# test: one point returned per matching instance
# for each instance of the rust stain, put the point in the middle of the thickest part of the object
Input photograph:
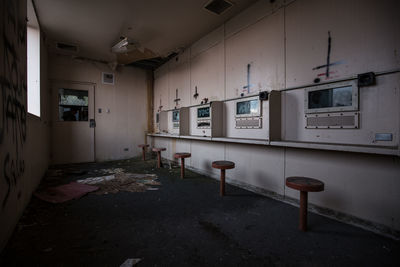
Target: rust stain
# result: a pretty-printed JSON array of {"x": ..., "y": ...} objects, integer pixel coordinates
[
  {"x": 150, "y": 101},
  {"x": 173, "y": 143}
]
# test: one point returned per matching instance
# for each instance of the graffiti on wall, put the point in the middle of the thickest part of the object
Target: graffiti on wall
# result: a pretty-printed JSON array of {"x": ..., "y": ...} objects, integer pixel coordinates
[{"x": 13, "y": 97}]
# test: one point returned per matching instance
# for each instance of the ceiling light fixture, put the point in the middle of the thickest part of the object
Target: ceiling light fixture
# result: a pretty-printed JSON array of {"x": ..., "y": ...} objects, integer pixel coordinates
[
  {"x": 121, "y": 46},
  {"x": 126, "y": 45}
]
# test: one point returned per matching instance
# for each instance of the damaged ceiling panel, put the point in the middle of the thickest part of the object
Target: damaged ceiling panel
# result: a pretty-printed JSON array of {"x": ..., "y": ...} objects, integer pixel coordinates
[
  {"x": 135, "y": 55},
  {"x": 158, "y": 28},
  {"x": 152, "y": 63}
]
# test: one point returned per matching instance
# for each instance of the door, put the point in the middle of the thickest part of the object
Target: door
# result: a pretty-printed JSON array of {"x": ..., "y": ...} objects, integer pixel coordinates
[{"x": 72, "y": 123}]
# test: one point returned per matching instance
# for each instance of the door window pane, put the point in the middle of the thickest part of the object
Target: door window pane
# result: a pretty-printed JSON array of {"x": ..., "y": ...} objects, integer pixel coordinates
[{"x": 73, "y": 105}]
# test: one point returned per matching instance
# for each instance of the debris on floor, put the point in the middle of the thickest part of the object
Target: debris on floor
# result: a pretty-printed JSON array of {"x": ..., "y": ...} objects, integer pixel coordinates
[
  {"x": 184, "y": 223},
  {"x": 122, "y": 181},
  {"x": 110, "y": 171},
  {"x": 96, "y": 180},
  {"x": 130, "y": 262},
  {"x": 63, "y": 193}
]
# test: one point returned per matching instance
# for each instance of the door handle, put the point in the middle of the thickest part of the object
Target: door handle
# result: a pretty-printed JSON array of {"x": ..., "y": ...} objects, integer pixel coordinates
[{"x": 92, "y": 123}]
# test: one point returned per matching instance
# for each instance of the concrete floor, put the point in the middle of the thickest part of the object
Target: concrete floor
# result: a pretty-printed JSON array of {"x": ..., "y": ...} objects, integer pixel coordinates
[{"x": 185, "y": 223}]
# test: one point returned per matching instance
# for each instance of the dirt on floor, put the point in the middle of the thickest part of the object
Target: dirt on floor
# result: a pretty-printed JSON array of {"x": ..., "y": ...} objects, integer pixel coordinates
[
  {"x": 151, "y": 217},
  {"x": 122, "y": 181}
]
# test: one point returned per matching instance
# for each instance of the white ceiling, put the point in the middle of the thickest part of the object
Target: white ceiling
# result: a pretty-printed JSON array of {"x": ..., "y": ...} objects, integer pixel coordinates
[{"x": 162, "y": 26}]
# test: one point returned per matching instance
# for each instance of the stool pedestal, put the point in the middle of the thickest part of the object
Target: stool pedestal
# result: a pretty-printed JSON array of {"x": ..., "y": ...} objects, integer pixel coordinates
[
  {"x": 158, "y": 150},
  {"x": 304, "y": 185},
  {"x": 222, "y": 183},
  {"x": 223, "y": 165},
  {"x": 143, "y": 146},
  {"x": 182, "y": 156},
  {"x": 303, "y": 210}
]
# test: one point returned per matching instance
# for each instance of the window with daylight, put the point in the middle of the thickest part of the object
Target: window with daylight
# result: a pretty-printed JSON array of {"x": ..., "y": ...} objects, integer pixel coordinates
[{"x": 33, "y": 65}]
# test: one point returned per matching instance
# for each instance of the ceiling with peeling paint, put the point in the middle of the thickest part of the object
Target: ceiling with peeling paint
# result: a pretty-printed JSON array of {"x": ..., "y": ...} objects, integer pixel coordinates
[{"x": 161, "y": 27}]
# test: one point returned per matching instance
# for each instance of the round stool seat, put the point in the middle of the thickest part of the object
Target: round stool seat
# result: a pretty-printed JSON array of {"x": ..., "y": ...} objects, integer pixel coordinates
[
  {"x": 143, "y": 145},
  {"x": 223, "y": 164},
  {"x": 182, "y": 155},
  {"x": 159, "y": 149},
  {"x": 305, "y": 184}
]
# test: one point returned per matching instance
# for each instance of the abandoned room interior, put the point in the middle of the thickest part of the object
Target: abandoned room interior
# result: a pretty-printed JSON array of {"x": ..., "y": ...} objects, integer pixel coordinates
[{"x": 200, "y": 133}]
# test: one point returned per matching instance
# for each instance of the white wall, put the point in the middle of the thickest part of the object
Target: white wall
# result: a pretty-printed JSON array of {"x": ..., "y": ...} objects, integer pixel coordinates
[
  {"x": 363, "y": 38},
  {"x": 24, "y": 138},
  {"x": 283, "y": 43},
  {"x": 125, "y": 125}
]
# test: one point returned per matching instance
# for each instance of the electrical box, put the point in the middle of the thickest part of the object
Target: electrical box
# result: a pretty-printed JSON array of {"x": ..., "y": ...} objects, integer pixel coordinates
[
  {"x": 178, "y": 121},
  {"x": 332, "y": 106},
  {"x": 207, "y": 120},
  {"x": 343, "y": 113},
  {"x": 252, "y": 117},
  {"x": 163, "y": 121},
  {"x": 175, "y": 119},
  {"x": 248, "y": 113}
]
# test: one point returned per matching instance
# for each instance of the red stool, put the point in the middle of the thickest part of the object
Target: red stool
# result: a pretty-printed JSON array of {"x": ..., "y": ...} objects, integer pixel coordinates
[
  {"x": 223, "y": 165},
  {"x": 304, "y": 185},
  {"x": 158, "y": 150},
  {"x": 182, "y": 156},
  {"x": 143, "y": 146}
]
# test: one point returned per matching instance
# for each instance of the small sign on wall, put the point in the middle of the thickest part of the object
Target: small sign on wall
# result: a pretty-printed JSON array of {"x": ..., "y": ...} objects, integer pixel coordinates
[{"x": 107, "y": 78}]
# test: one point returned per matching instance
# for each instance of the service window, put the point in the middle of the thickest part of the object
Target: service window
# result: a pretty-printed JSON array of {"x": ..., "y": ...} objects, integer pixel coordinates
[{"x": 73, "y": 105}]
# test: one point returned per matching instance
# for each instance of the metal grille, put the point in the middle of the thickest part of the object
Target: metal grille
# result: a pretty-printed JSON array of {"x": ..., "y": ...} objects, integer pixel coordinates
[
  {"x": 204, "y": 124},
  {"x": 248, "y": 123},
  {"x": 332, "y": 121},
  {"x": 218, "y": 6},
  {"x": 108, "y": 78}
]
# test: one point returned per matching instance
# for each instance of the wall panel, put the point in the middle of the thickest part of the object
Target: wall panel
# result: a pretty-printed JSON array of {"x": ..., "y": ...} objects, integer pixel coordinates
[
  {"x": 204, "y": 153},
  {"x": 258, "y": 166},
  {"x": 262, "y": 46},
  {"x": 179, "y": 79},
  {"x": 208, "y": 41},
  {"x": 161, "y": 89},
  {"x": 362, "y": 34},
  {"x": 207, "y": 74}
]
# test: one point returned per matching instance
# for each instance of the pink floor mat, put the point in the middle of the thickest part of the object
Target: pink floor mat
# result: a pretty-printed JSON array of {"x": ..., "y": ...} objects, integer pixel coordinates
[{"x": 64, "y": 193}]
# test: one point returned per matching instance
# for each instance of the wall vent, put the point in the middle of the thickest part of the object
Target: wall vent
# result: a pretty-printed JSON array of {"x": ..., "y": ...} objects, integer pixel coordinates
[
  {"x": 349, "y": 120},
  {"x": 218, "y": 6},
  {"x": 248, "y": 123},
  {"x": 66, "y": 48},
  {"x": 107, "y": 78}
]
